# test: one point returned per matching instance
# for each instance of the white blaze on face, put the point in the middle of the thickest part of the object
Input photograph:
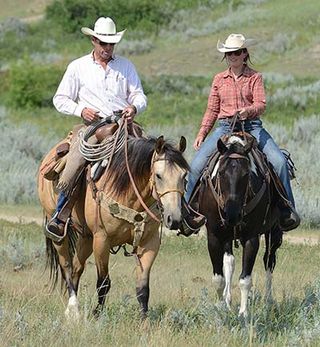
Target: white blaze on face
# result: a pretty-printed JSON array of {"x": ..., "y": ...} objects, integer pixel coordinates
[{"x": 236, "y": 139}]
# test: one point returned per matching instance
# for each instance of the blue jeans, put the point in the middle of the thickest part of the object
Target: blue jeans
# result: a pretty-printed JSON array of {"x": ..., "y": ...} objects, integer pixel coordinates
[
  {"x": 265, "y": 143},
  {"x": 62, "y": 199}
]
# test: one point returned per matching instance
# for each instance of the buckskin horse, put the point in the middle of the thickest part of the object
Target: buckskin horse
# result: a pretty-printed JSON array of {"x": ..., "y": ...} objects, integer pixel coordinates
[
  {"x": 239, "y": 201},
  {"x": 111, "y": 215}
]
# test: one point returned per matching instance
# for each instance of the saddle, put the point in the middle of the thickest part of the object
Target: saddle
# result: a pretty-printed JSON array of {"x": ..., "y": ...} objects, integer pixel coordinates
[
  {"x": 52, "y": 169},
  {"x": 263, "y": 166}
]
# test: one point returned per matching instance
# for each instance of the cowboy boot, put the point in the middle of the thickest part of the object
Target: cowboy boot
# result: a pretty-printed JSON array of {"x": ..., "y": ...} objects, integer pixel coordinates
[
  {"x": 192, "y": 220},
  {"x": 56, "y": 226},
  {"x": 289, "y": 218}
]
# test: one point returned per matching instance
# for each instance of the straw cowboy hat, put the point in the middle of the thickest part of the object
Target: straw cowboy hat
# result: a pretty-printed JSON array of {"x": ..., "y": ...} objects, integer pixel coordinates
[
  {"x": 234, "y": 42},
  {"x": 105, "y": 30}
]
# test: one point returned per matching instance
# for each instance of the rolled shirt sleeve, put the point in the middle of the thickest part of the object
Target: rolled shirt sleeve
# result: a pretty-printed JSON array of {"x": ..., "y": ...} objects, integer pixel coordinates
[{"x": 66, "y": 97}]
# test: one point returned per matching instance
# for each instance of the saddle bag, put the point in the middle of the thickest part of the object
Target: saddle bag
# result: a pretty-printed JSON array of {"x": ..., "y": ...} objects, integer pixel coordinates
[{"x": 52, "y": 169}]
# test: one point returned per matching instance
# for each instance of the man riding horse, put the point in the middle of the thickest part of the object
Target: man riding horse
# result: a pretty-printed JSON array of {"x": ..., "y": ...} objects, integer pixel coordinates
[{"x": 94, "y": 87}]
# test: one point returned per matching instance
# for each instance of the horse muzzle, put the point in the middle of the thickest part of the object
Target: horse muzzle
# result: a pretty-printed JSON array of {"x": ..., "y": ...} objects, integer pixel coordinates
[{"x": 233, "y": 213}]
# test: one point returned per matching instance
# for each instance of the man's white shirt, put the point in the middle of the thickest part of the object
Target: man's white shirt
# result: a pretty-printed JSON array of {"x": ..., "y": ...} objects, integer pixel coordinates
[{"x": 87, "y": 84}]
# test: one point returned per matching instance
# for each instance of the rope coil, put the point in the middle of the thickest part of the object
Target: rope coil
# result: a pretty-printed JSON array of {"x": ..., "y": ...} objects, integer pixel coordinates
[{"x": 103, "y": 150}]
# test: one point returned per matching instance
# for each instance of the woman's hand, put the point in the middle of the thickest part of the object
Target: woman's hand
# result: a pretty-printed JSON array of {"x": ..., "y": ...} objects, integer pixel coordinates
[
  {"x": 198, "y": 141},
  {"x": 243, "y": 114}
]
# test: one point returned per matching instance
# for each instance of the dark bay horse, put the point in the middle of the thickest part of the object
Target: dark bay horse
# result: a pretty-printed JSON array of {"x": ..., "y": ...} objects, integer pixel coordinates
[
  {"x": 112, "y": 215},
  {"x": 240, "y": 203}
]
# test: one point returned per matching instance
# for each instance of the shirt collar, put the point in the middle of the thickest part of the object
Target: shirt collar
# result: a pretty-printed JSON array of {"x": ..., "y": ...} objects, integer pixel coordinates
[
  {"x": 246, "y": 72},
  {"x": 114, "y": 57}
]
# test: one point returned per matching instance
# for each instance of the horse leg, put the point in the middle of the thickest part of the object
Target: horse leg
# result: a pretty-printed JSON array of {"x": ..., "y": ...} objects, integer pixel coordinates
[
  {"x": 273, "y": 241},
  {"x": 65, "y": 261},
  {"x": 83, "y": 251},
  {"x": 147, "y": 254},
  {"x": 228, "y": 270},
  {"x": 101, "y": 250},
  {"x": 215, "y": 248},
  {"x": 250, "y": 250}
]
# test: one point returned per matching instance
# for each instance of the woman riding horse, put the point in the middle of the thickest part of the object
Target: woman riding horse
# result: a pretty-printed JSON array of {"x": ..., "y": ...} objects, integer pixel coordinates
[{"x": 239, "y": 89}]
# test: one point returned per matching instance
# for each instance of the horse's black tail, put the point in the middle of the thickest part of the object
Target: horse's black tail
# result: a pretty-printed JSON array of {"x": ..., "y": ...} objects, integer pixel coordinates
[{"x": 52, "y": 257}]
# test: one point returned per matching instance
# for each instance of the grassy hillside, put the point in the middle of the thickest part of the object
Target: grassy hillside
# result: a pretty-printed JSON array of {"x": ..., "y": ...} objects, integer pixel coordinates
[
  {"x": 26, "y": 9},
  {"x": 286, "y": 31}
]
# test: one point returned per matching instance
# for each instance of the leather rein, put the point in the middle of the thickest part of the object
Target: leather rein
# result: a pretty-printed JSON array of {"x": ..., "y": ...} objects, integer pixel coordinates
[{"x": 151, "y": 180}]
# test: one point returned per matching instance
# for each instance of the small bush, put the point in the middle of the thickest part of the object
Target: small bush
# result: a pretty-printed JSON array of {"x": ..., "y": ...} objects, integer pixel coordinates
[{"x": 31, "y": 84}]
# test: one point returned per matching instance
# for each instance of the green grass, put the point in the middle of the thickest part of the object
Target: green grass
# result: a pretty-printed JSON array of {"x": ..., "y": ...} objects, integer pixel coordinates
[{"x": 183, "y": 310}]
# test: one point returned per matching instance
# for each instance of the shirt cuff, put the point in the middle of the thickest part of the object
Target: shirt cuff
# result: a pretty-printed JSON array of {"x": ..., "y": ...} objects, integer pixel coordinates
[{"x": 78, "y": 110}]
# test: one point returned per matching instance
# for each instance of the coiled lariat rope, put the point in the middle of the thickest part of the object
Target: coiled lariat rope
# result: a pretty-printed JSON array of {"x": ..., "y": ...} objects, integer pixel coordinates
[{"x": 104, "y": 149}]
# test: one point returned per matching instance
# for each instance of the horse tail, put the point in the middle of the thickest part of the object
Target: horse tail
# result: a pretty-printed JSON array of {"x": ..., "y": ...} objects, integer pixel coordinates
[{"x": 52, "y": 258}]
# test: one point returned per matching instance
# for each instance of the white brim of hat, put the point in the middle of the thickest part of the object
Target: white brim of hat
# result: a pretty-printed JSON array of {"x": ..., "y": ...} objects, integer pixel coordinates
[
  {"x": 110, "y": 38},
  {"x": 224, "y": 49}
]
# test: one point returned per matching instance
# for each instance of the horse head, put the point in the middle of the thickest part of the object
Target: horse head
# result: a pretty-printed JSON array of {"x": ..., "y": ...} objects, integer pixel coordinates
[
  {"x": 233, "y": 176},
  {"x": 168, "y": 173}
]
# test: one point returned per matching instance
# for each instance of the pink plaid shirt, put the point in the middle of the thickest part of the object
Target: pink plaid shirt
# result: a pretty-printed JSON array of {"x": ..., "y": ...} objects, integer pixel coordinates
[{"x": 228, "y": 96}]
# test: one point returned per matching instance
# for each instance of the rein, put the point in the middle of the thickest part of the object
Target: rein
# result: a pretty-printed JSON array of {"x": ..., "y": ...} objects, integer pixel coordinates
[{"x": 150, "y": 213}]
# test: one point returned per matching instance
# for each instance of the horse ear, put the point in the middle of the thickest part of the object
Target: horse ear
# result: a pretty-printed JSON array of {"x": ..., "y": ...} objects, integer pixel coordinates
[
  {"x": 182, "y": 144},
  {"x": 222, "y": 148},
  {"x": 159, "y": 144}
]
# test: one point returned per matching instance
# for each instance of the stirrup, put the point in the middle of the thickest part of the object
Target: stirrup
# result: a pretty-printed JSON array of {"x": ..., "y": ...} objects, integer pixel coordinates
[{"x": 54, "y": 237}]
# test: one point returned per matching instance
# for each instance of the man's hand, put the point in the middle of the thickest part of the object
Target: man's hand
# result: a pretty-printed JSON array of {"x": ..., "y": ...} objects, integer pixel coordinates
[
  {"x": 89, "y": 115},
  {"x": 129, "y": 113}
]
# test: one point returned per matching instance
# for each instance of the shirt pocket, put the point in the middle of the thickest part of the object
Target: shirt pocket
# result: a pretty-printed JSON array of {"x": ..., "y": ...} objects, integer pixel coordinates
[{"x": 117, "y": 84}]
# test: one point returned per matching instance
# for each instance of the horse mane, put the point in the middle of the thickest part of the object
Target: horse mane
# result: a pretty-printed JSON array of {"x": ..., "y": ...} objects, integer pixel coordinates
[{"x": 140, "y": 152}]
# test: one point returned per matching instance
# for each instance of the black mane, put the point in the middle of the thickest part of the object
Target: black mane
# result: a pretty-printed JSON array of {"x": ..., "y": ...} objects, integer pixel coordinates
[{"x": 140, "y": 151}]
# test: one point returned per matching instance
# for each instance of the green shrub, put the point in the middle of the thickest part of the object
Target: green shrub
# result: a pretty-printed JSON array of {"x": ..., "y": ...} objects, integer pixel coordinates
[
  {"x": 142, "y": 15},
  {"x": 31, "y": 84}
]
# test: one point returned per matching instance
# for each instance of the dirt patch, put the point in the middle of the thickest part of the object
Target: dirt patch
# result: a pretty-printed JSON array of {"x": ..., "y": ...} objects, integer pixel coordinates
[
  {"x": 22, "y": 219},
  {"x": 306, "y": 240},
  {"x": 294, "y": 239}
]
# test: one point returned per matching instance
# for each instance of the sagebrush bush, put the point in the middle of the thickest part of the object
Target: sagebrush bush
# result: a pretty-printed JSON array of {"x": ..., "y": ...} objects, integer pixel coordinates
[{"x": 21, "y": 150}]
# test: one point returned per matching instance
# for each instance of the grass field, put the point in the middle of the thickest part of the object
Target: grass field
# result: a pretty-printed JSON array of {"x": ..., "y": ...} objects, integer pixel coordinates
[{"x": 183, "y": 305}]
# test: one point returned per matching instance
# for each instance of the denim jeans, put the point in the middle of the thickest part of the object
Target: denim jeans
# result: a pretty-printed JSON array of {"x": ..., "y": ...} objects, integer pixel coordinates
[
  {"x": 265, "y": 143},
  {"x": 62, "y": 199}
]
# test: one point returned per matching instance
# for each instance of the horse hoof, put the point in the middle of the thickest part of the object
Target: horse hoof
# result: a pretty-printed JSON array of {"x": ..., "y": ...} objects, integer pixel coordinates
[
  {"x": 72, "y": 313},
  {"x": 96, "y": 313}
]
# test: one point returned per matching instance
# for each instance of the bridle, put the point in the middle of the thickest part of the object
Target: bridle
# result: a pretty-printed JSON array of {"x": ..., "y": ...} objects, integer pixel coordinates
[
  {"x": 216, "y": 190},
  {"x": 153, "y": 186},
  {"x": 151, "y": 180}
]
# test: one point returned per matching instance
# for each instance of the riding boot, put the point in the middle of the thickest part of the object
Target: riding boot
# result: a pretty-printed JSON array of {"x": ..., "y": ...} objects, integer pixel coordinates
[
  {"x": 289, "y": 218},
  {"x": 192, "y": 220},
  {"x": 56, "y": 225}
]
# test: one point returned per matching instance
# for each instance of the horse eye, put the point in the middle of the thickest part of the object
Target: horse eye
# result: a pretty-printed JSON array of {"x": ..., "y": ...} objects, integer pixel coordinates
[{"x": 158, "y": 176}]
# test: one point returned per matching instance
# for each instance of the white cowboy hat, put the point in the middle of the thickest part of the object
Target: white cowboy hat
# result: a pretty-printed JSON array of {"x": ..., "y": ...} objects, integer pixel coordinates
[
  {"x": 234, "y": 42},
  {"x": 105, "y": 30}
]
